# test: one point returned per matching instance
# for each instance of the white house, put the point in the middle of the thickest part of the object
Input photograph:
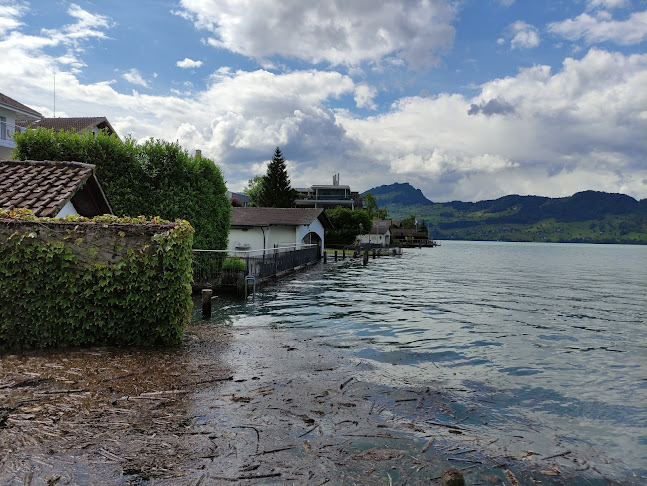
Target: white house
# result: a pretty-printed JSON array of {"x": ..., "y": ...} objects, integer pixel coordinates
[
  {"x": 379, "y": 235},
  {"x": 11, "y": 112},
  {"x": 262, "y": 228}
]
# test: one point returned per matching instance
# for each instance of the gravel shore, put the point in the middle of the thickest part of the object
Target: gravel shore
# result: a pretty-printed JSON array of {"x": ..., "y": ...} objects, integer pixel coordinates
[{"x": 236, "y": 405}]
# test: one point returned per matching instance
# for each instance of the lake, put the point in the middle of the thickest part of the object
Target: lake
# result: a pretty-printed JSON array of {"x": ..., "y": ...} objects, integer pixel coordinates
[{"x": 543, "y": 346}]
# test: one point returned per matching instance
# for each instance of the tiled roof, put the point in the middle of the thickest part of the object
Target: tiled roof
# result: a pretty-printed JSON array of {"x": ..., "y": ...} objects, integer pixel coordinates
[
  {"x": 379, "y": 230},
  {"x": 277, "y": 216},
  {"x": 11, "y": 103},
  {"x": 45, "y": 187},
  {"x": 75, "y": 125}
]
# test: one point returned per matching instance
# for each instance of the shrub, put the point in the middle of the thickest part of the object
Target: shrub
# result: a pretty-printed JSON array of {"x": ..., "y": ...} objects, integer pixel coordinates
[{"x": 233, "y": 263}]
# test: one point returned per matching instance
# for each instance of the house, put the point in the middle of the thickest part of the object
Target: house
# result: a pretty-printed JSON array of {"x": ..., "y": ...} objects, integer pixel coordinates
[
  {"x": 379, "y": 235},
  {"x": 239, "y": 200},
  {"x": 52, "y": 189},
  {"x": 328, "y": 196},
  {"x": 404, "y": 234},
  {"x": 262, "y": 228},
  {"x": 75, "y": 125},
  {"x": 12, "y": 115}
]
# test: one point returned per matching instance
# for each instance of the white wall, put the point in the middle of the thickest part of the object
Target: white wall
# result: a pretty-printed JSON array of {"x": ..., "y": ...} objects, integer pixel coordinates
[
  {"x": 67, "y": 210},
  {"x": 252, "y": 236},
  {"x": 314, "y": 227},
  {"x": 6, "y": 139},
  {"x": 268, "y": 236},
  {"x": 375, "y": 239}
]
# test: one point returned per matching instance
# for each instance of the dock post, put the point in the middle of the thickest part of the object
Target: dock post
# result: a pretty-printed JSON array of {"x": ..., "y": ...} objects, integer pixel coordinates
[
  {"x": 325, "y": 257},
  {"x": 335, "y": 255},
  {"x": 206, "y": 303},
  {"x": 365, "y": 261},
  {"x": 343, "y": 254},
  {"x": 374, "y": 253}
]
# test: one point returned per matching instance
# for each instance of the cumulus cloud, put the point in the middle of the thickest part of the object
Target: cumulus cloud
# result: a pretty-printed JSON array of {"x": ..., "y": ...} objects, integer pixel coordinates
[
  {"x": 134, "y": 77},
  {"x": 578, "y": 128},
  {"x": 608, "y": 4},
  {"x": 602, "y": 28},
  {"x": 10, "y": 14},
  {"x": 364, "y": 95},
  {"x": 187, "y": 63},
  {"x": 540, "y": 131},
  {"x": 521, "y": 35},
  {"x": 336, "y": 31},
  {"x": 497, "y": 106}
]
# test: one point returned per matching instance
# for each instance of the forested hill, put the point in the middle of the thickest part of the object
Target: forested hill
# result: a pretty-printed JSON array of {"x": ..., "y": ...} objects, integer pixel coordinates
[{"x": 588, "y": 216}]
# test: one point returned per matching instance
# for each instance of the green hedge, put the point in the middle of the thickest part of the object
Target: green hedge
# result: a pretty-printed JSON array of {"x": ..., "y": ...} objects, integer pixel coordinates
[
  {"x": 49, "y": 299},
  {"x": 154, "y": 178}
]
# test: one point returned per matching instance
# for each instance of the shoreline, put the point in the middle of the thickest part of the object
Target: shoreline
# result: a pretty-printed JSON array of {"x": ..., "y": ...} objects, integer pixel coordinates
[{"x": 235, "y": 404}]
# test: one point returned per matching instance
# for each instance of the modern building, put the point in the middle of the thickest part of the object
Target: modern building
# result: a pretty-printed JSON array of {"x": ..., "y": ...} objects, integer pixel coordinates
[{"x": 328, "y": 196}]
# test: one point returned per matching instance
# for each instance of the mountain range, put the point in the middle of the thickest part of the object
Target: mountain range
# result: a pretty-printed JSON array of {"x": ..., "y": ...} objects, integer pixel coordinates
[{"x": 588, "y": 216}]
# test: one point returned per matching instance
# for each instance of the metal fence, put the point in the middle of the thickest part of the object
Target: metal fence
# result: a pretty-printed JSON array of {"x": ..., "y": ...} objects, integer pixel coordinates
[{"x": 258, "y": 263}]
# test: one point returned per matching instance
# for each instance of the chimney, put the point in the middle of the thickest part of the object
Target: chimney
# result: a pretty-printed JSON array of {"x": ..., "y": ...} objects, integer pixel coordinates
[{"x": 198, "y": 153}]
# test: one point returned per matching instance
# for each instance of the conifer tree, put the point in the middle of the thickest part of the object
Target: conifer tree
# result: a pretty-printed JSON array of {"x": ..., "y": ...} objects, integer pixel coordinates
[{"x": 276, "y": 191}]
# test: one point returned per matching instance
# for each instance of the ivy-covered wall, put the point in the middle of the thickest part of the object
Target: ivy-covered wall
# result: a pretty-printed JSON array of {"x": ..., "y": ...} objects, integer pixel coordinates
[{"x": 105, "y": 281}]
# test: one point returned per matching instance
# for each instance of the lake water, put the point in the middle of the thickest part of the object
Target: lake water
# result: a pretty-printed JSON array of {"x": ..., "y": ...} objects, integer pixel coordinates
[{"x": 546, "y": 344}]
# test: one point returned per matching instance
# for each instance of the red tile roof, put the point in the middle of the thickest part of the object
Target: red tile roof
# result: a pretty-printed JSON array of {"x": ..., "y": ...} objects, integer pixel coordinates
[
  {"x": 278, "y": 216},
  {"x": 22, "y": 109},
  {"x": 46, "y": 187}
]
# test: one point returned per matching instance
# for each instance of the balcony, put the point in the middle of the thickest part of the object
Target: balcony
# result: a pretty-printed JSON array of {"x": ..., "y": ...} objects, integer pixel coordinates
[{"x": 7, "y": 131}]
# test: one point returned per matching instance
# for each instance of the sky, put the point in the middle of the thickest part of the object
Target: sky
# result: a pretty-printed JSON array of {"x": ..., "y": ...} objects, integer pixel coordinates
[{"x": 464, "y": 99}]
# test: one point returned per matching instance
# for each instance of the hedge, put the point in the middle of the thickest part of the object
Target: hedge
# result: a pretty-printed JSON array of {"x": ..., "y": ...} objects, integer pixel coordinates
[
  {"x": 154, "y": 178},
  {"x": 57, "y": 290}
]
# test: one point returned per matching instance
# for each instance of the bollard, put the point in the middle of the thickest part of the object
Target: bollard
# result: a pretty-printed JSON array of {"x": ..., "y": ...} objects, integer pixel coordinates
[{"x": 206, "y": 303}]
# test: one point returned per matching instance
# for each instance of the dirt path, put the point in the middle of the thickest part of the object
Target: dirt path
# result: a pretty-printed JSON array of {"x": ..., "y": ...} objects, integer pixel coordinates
[{"x": 250, "y": 405}]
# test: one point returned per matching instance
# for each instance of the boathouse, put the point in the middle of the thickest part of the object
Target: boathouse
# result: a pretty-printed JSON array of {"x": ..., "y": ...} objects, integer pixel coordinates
[{"x": 255, "y": 229}]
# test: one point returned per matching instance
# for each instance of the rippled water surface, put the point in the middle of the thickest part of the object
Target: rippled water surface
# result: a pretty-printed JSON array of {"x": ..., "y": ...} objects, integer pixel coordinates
[{"x": 549, "y": 338}]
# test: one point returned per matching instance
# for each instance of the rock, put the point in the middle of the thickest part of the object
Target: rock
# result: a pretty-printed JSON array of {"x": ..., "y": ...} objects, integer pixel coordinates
[{"x": 452, "y": 477}]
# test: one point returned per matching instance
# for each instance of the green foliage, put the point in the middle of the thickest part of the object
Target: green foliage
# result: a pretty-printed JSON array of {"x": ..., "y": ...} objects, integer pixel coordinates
[
  {"x": 589, "y": 216},
  {"x": 409, "y": 222},
  {"x": 348, "y": 224},
  {"x": 233, "y": 263},
  {"x": 276, "y": 191},
  {"x": 156, "y": 178},
  {"x": 50, "y": 299},
  {"x": 253, "y": 189},
  {"x": 370, "y": 205}
]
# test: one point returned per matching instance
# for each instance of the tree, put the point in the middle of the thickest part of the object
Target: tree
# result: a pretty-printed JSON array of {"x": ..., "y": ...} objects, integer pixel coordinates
[
  {"x": 409, "y": 222},
  {"x": 253, "y": 189},
  {"x": 370, "y": 205},
  {"x": 347, "y": 224},
  {"x": 276, "y": 191}
]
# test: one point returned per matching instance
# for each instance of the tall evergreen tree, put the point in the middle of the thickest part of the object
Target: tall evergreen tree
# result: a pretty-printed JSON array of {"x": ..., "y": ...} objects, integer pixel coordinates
[{"x": 276, "y": 191}]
